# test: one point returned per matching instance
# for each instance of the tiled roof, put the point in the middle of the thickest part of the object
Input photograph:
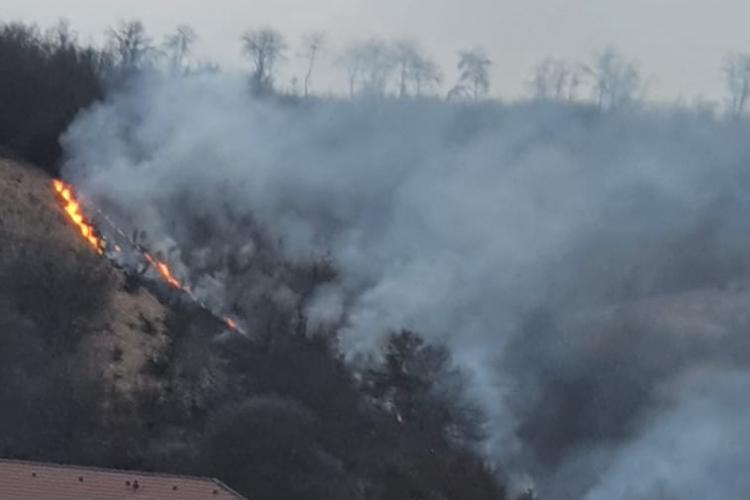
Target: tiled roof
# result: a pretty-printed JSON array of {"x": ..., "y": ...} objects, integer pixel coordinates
[{"x": 41, "y": 481}]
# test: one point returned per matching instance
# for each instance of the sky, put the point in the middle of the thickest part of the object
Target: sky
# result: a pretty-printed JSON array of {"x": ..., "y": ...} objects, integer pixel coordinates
[{"x": 678, "y": 44}]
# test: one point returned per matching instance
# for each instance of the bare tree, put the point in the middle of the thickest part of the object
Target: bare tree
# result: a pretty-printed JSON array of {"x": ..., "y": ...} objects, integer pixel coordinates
[
  {"x": 178, "y": 46},
  {"x": 378, "y": 64},
  {"x": 427, "y": 75},
  {"x": 737, "y": 74},
  {"x": 131, "y": 47},
  {"x": 265, "y": 47},
  {"x": 616, "y": 81},
  {"x": 415, "y": 68},
  {"x": 352, "y": 62},
  {"x": 474, "y": 74},
  {"x": 405, "y": 53},
  {"x": 575, "y": 80},
  {"x": 294, "y": 86},
  {"x": 312, "y": 45},
  {"x": 369, "y": 63},
  {"x": 61, "y": 35},
  {"x": 554, "y": 79}
]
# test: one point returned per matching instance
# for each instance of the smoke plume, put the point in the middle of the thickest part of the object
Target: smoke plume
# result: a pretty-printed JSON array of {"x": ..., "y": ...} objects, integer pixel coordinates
[{"x": 587, "y": 269}]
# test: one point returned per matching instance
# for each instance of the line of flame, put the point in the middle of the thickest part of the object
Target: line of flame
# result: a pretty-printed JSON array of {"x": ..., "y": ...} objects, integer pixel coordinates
[
  {"x": 76, "y": 216},
  {"x": 163, "y": 269}
]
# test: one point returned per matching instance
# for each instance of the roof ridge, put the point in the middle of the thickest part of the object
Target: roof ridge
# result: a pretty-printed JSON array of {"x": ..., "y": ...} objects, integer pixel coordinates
[
  {"x": 223, "y": 485},
  {"x": 114, "y": 470}
]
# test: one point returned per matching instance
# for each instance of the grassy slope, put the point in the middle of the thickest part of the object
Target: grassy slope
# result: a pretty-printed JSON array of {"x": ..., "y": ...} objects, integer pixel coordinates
[{"x": 124, "y": 340}]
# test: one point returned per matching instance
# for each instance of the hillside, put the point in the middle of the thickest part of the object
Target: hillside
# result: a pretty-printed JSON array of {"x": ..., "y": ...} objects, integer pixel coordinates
[
  {"x": 33, "y": 225},
  {"x": 100, "y": 372},
  {"x": 128, "y": 330},
  {"x": 77, "y": 307}
]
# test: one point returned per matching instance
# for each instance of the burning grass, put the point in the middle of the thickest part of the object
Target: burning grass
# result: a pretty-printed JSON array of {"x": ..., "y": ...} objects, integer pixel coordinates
[
  {"x": 75, "y": 214},
  {"x": 73, "y": 207}
]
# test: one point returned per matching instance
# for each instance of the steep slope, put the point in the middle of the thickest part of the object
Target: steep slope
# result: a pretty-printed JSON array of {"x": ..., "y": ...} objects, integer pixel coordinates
[
  {"x": 97, "y": 371},
  {"x": 71, "y": 312},
  {"x": 129, "y": 329}
]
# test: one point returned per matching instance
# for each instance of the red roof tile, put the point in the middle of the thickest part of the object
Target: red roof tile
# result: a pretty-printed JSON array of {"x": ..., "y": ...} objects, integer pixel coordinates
[{"x": 40, "y": 481}]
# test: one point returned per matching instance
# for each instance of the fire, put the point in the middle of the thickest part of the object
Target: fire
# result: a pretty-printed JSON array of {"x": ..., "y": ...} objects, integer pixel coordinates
[
  {"x": 75, "y": 214},
  {"x": 231, "y": 323},
  {"x": 166, "y": 273}
]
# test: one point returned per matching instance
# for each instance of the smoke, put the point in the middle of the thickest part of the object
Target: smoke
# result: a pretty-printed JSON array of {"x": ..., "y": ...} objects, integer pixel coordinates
[
  {"x": 577, "y": 263},
  {"x": 695, "y": 450}
]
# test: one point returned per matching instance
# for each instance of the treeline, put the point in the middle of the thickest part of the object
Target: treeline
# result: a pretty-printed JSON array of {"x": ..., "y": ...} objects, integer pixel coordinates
[
  {"x": 47, "y": 76},
  {"x": 45, "y": 79}
]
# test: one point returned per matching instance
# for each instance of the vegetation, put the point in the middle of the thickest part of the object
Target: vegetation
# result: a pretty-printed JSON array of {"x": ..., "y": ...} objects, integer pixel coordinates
[
  {"x": 279, "y": 416},
  {"x": 295, "y": 420},
  {"x": 314, "y": 431},
  {"x": 45, "y": 79}
]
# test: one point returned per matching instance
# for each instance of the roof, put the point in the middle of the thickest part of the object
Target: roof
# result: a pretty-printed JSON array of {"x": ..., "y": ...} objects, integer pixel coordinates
[{"x": 21, "y": 480}]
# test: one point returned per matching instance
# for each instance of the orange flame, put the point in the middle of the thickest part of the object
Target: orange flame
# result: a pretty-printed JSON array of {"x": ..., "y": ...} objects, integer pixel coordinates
[
  {"x": 75, "y": 214},
  {"x": 74, "y": 211},
  {"x": 166, "y": 273}
]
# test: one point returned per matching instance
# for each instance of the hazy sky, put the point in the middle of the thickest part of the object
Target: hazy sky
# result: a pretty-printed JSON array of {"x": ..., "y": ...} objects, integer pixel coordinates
[{"x": 678, "y": 43}]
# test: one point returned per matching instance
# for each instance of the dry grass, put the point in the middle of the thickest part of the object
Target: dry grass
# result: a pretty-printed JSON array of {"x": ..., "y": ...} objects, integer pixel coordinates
[{"x": 127, "y": 330}]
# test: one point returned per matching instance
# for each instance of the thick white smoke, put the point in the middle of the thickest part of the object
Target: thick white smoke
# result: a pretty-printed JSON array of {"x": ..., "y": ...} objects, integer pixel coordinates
[
  {"x": 522, "y": 236},
  {"x": 695, "y": 450}
]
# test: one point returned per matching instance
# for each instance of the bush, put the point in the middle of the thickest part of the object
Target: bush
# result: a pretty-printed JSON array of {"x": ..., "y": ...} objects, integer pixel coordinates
[
  {"x": 267, "y": 448},
  {"x": 50, "y": 404},
  {"x": 55, "y": 290}
]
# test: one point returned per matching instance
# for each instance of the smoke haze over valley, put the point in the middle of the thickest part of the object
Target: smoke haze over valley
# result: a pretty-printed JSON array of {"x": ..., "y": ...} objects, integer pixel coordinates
[{"x": 560, "y": 253}]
